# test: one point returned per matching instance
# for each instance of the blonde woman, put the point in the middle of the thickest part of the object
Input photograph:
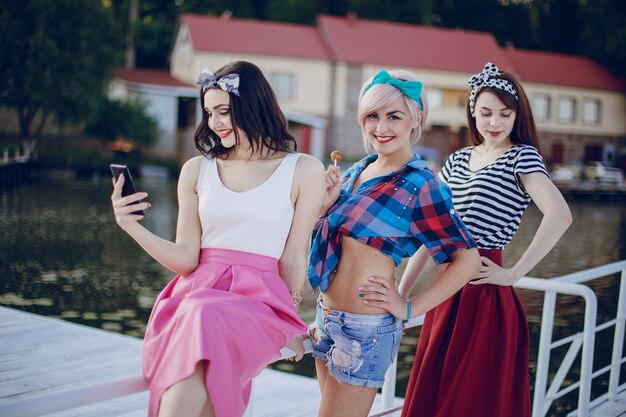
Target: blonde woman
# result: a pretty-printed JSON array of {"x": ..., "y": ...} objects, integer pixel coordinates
[{"x": 381, "y": 210}]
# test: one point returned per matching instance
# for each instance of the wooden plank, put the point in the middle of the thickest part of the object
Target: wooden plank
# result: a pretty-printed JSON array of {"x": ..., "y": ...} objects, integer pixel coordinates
[
  {"x": 615, "y": 408},
  {"x": 40, "y": 355}
]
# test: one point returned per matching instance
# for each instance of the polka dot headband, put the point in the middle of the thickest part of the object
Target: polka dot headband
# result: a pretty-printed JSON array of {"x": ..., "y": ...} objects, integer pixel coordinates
[{"x": 487, "y": 78}]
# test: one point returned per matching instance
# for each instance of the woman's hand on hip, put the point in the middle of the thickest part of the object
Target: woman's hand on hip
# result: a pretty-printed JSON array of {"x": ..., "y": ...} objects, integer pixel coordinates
[
  {"x": 383, "y": 294},
  {"x": 492, "y": 273}
]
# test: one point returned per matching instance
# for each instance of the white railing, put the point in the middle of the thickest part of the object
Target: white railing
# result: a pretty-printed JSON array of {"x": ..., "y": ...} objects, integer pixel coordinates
[
  {"x": 43, "y": 404},
  {"x": 14, "y": 154},
  {"x": 544, "y": 396},
  {"x": 573, "y": 284}
]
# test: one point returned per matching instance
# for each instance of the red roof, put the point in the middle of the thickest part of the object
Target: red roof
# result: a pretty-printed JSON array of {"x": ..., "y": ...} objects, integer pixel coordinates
[
  {"x": 358, "y": 41},
  {"x": 561, "y": 69},
  {"x": 210, "y": 33},
  {"x": 150, "y": 76}
]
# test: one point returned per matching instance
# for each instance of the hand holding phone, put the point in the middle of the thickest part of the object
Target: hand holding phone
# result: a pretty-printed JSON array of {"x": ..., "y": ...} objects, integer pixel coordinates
[{"x": 128, "y": 187}]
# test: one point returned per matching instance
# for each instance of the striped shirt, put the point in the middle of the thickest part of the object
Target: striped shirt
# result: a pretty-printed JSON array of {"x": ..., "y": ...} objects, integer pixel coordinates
[
  {"x": 395, "y": 213},
  {"x": 491, "y": 200}
]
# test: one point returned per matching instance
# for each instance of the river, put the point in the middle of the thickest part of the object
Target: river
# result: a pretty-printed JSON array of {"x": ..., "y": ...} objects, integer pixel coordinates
[{"x": 62, "y": 255}]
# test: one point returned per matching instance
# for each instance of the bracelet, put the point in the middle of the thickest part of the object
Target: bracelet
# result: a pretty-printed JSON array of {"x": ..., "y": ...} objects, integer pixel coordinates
[
  {"x": 296, "y": 296},
  {"x": 408, "y": 310}
]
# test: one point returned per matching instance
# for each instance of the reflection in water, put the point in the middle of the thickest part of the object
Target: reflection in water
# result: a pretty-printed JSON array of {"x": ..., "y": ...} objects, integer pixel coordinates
[
  {"x": 596, "y": 237},
  {"x": 62, "y": 255},
  {"x": 61, "y": 244}
]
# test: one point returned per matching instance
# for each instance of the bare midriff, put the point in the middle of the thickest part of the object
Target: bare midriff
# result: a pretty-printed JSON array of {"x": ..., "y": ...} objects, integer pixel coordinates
[{"x": 358, "y": 262}]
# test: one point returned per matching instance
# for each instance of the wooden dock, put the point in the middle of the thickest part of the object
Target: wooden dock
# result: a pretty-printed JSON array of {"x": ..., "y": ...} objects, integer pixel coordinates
[
  {"x": 45, "y": 362},
  {"x": 48, "y": 364}
]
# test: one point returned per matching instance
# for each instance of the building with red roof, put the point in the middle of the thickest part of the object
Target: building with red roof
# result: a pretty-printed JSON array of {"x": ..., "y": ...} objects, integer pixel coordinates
[
  {"x": 256, "y": 37},
  {"x": 578, "y": 106},
  {"x": 293, "y": 58},
  {"x": 370, "y": 42},
  {"x": 317, "y": 72},
  {"x": 562, "y": 69}
]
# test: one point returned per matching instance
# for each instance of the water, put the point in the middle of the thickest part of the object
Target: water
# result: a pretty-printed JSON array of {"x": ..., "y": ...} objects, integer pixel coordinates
[{"x": 62, "y": 255}]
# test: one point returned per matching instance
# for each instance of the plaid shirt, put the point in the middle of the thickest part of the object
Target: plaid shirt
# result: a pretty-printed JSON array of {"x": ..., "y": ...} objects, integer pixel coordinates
[{"x": 395, "y": 213}]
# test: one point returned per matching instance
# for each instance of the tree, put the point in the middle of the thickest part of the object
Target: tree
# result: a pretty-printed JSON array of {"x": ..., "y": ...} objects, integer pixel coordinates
[
  {"x": 154, "y": 30},
  {"x": 128, "y": 120},
  {"x": 604, "y": 34},
  {"x": 57, "y": 57}
]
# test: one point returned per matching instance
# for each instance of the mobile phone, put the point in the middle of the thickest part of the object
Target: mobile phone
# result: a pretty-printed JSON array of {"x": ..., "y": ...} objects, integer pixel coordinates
[{"x": 129, "y": 185}]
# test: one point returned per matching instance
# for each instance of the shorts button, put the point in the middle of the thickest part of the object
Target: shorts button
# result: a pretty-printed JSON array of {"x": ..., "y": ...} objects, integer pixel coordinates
[{"x": 326, "y": 312}]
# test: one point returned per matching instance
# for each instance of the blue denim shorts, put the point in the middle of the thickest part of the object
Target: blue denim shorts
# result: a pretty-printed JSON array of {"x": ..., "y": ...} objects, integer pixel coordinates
[{"x": 358, "y": 348}]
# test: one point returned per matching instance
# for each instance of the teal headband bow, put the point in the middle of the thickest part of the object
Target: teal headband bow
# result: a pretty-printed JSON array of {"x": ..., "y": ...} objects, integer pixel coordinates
[{"x": 411, "y": 89}]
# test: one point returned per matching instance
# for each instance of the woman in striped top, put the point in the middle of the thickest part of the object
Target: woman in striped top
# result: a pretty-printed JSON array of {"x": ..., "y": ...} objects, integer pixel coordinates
[{"x": 472, "y": 356}]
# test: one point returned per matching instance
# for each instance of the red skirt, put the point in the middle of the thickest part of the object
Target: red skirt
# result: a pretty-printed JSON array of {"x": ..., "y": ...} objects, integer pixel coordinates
[{"x": 472, "y": 356}]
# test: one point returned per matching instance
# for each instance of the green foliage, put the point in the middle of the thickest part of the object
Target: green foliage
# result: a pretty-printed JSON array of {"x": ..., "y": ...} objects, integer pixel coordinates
[
  {"x": 603, "y": 36},
  {"x": 154, "y": 31},
  {"x": 123, "y": 119},
  {"x": 296, "y": 11},
  {"x": 56, "y": 56},
  {"x": 152, "y": 35}
]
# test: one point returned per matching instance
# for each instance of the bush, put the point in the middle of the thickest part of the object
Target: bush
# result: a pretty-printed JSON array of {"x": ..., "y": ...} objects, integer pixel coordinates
[{"x": 126, "y": 120}]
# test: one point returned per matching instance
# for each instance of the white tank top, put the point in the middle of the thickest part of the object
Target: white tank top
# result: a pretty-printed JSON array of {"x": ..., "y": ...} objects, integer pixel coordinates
[{"x": 256, "y": 221}]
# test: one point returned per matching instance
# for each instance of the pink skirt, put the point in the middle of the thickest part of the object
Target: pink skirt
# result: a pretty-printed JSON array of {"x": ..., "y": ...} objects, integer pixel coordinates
[{"x": 234, "y": 312}]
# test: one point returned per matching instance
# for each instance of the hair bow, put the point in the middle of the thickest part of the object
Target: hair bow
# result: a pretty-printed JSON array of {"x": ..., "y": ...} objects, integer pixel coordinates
[
  {"x": 488, "y": 78},
  {"x": 228, "y": 83},
  {"x": 412, "y": 89}
]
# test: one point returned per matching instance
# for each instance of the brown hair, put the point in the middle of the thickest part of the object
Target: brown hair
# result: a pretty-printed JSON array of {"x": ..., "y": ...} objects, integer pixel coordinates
[
  {"x": 255, "y": 111},
  {"x": 524, "y": 131}
]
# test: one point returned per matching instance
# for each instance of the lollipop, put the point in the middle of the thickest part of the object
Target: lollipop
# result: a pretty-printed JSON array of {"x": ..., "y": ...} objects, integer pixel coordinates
[{"x": 336, "y": 156}]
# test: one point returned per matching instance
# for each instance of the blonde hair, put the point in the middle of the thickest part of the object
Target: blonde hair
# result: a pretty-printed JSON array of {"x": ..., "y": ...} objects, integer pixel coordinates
[{"x": 381, "y": 95}]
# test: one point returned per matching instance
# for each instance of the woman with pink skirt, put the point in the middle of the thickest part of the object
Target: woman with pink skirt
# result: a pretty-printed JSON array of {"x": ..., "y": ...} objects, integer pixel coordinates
[{"x": 247, "y": 207}]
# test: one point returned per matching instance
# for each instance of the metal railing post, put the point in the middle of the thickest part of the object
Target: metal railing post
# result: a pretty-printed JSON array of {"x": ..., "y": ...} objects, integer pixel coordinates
[
  {"x": 543, "y": 355},
  {"x": 388, "y": 392},
  {"x": 618, "y": 338},
  {"x": 586, "y": 365}
]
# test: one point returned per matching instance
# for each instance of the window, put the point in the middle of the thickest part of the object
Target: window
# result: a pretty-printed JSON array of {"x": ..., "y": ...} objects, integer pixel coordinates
[
  {"x": 541, "y": 107},
  {"x": 591, "y": 111},
  {"x": 557, "y": 153},
  {"x": 567, "y": 109},
  {"x": 434, "y": 97},
  {"x": 186, "y": 112},
  {"x": 282, "y": 83}
]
